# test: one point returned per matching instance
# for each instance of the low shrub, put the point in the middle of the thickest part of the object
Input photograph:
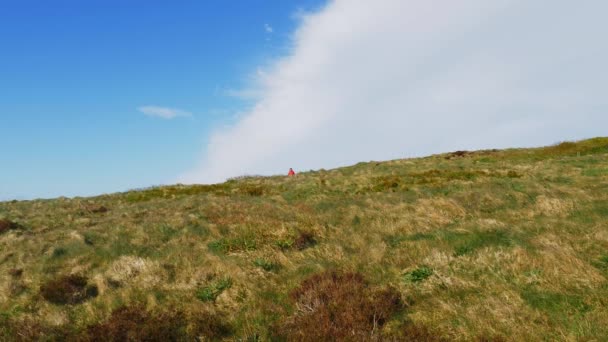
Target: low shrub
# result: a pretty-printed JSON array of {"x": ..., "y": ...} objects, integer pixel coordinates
[
  {"x": 136, "y": 324},
  {"x": 457, "y": 154},
  {"x": 305, "y": 240},
  {"x": 70, "y": 289},
  {"x": 6, "y": 225},
  {"x": 338, "y": 306},
  {"x": 15, "y": 272}
]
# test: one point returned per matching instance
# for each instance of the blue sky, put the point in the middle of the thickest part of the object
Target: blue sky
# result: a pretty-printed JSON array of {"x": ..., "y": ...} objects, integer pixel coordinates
[
  {"x": 73, "y": 73},
  {"x": 103, "y": 96}
]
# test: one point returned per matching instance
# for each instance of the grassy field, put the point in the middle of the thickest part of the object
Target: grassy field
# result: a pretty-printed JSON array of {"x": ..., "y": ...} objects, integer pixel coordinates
[{"x": 485, "y": 245}]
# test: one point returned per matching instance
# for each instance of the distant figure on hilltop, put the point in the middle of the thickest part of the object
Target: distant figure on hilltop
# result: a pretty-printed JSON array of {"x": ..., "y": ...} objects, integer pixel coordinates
[{"x": 291, "y": 172}]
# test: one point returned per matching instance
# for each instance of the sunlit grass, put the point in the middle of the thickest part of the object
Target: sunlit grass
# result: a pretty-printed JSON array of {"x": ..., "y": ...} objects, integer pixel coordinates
[{"x": 477, "y": 245}]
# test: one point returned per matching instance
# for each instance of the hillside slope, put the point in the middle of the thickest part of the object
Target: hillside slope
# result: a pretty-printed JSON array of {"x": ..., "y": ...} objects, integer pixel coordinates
[{"x": 509, "y": 244}]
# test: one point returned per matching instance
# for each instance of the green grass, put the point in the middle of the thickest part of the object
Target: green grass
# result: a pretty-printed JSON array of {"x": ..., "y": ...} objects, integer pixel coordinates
[
  {"x": 396, "y": 240},
  {"x": 476, "y": 245},
  {"x": 602, "y": 263},
  {"x": 556, "y": 305},
  {"x": 210, "y": 292},
  {"x": 595, "y": 172},
  {"x": 418, "y": 275},
  {"x": 266, "y": 265},
  {"x": 240, "y": 244},
  {"x": 468, "y": 243}
]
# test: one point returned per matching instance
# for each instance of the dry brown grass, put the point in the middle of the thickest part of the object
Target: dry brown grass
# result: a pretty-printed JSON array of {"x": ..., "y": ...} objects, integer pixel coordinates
[{"x": 485, "y": 245}]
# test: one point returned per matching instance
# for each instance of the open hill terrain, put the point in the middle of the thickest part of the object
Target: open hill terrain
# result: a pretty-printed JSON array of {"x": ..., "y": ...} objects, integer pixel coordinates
[{"x": 485, "y": 245}]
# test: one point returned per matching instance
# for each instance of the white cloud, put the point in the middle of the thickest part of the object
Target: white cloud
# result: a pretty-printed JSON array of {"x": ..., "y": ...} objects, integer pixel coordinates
[
  {"x": 376, "y": 80},
  {"x": 268, "y": 28},
  {"x": 163, "y": 112}
]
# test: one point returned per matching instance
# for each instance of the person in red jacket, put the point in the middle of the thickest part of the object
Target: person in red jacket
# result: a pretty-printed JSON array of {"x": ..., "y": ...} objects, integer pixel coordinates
[{"x": 291, "y": 172}]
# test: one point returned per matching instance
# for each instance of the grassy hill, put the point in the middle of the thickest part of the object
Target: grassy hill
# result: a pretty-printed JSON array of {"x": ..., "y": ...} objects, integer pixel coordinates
[{"x": 485, "y": 245}]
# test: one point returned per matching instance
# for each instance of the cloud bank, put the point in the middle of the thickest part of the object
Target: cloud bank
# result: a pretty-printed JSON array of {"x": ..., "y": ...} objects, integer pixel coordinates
[
  {"x": 385, "y": 79},
  {"x": 163, "y": 112}
]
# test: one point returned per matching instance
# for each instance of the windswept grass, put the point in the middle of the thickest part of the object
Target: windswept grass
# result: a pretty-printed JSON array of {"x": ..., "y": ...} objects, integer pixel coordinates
[{"x": 465, "y": 246}]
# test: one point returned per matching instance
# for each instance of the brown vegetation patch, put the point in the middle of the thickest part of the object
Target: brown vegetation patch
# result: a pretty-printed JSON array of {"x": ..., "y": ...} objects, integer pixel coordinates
[
  {"x": 339, "y": 306},
  {"x": 457, "y": 154},
  {"x": 6, "y": 225},
  {"x": 15, "y": 272},
  {"x": 135, "y": 323},
  {"x": 305, "y": 240},
  {"x": 70, "y": 289},
  {"x": 29, "y": 330}
]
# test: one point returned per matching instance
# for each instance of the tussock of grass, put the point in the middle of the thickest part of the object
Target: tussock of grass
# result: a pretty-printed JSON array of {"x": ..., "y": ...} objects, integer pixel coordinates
[
  {"x": 210, "y": 292},
  {"x": 266, "y": 265},
  {"x": 418, "y": 275}
]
